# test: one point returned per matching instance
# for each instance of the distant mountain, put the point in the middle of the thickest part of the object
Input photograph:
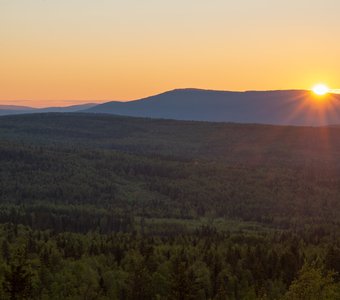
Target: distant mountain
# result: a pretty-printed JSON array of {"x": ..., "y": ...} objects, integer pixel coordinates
[
  {"x": 15, "y": 107},
  {"x": 286, "y": 107},
  {"x": 15, "y": 110},
  {"x": 73, "y": 108}
]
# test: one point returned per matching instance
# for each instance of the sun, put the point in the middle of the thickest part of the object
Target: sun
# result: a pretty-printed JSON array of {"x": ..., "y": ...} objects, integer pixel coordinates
[{"x": 320, "y": 89}]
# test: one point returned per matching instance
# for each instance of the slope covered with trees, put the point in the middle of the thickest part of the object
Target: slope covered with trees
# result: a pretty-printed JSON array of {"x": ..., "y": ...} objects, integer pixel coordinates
[{"x": 106, "y": 207}]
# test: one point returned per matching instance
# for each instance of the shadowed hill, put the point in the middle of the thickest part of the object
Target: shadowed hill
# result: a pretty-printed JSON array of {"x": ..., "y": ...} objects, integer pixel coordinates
[
  {"x": 289, "y": 107},
  {"x": 278, "y": 175},
  {"x": 14, "y": 110},
  {"x": 249, "y": 144},
  {"x": 18, "y": 110}
]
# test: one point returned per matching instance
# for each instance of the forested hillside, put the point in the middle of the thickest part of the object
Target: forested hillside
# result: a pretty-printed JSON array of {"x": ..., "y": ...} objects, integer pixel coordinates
[{"x": 107, "y": 207}]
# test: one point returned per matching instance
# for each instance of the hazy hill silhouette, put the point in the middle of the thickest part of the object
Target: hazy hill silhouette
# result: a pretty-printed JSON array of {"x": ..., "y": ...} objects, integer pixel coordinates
[
  {"x": 72, "y": 108},
  {"x": 15, "y": 110},
  {"x": 286, "y": 107}
]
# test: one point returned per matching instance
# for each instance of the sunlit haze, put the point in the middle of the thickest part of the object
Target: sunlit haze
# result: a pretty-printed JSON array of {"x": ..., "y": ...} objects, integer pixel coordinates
[
  {"x": 74, "y": 51},
  {"x": 320, "y": 89}
]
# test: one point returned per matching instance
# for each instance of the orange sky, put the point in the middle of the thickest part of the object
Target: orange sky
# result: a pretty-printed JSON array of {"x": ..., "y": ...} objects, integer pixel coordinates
[{"x": 73, "y": 51}]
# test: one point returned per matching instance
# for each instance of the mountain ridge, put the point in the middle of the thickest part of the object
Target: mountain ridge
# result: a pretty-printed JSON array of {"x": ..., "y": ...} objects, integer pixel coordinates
[
  {"x": 15, "y": 109},
  {"x": 278, "y": 107}
]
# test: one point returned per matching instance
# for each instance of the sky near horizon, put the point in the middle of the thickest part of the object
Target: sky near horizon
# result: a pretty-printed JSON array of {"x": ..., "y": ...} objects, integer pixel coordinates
[{"x": 64, "y": 52}]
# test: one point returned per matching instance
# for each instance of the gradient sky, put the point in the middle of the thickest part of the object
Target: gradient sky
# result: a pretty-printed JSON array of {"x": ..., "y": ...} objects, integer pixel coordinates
[{"x": 63, "y": 52}]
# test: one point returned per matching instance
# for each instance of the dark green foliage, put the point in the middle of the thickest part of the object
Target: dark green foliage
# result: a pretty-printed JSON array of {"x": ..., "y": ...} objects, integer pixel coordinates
[
  {"x": 220, "y": 265},
  {"x": 103, "y": 207},
  {"x": 17, "y": 282},
  {"x": 314, "y": 285}
]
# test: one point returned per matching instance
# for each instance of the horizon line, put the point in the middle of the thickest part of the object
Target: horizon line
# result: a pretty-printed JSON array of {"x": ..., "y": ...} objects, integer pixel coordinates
[{"x": 101, "y": 101}]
